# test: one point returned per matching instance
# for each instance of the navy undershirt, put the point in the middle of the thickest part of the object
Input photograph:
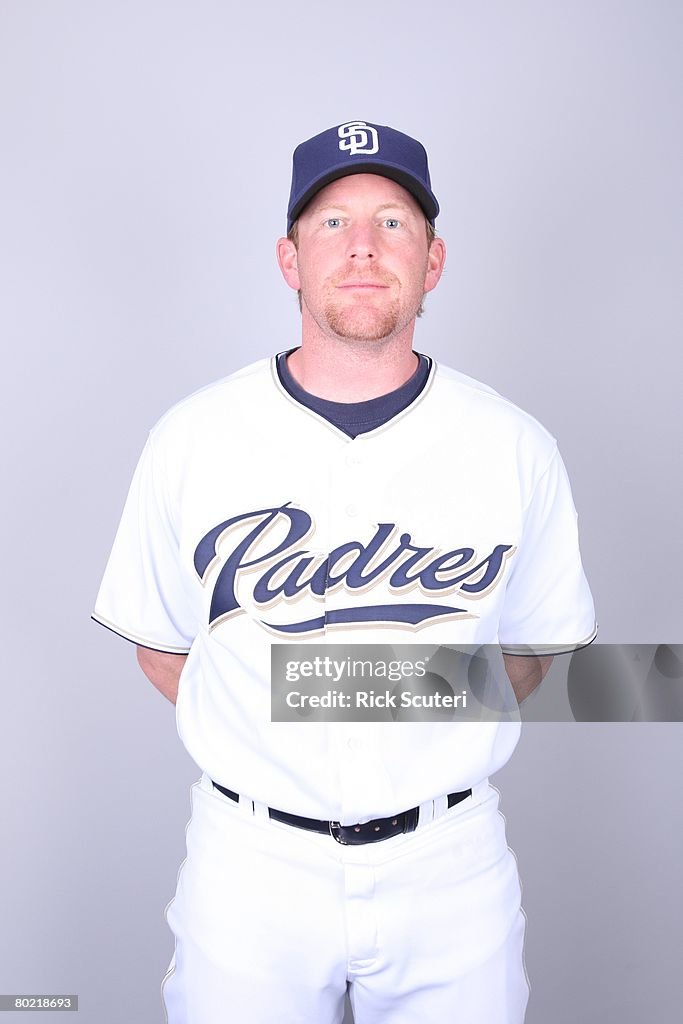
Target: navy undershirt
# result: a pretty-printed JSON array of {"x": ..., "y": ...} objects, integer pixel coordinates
[{"x": 357, "y": 417}]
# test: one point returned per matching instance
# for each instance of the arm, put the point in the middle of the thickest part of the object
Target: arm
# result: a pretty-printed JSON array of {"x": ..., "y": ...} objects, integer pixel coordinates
[
  {"x": 162, "y": 670},
  {"x": 526, "y": 673}
]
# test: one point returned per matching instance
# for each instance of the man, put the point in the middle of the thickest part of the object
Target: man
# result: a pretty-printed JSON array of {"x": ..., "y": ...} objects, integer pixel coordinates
[{"x": 348, "y": 489}]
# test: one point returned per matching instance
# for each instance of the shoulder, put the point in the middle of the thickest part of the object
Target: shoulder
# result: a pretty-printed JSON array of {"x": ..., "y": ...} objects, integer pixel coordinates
[
  {"x": 224, "y": 400},
  {"x": 485, "y": 409},
  {"x": 485, "y": 431}
]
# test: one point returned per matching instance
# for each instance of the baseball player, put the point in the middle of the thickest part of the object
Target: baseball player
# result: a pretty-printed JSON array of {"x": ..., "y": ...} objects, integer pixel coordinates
[{"x": 351, "y": 487}]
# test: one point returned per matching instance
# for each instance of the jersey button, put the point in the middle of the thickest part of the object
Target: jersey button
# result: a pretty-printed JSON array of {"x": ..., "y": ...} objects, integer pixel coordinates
[{"x": 352, "y": 510}]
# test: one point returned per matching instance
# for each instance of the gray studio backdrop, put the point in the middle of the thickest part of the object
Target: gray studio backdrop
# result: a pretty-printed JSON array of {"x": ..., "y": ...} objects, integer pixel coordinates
[{"x": 143, "y": 181}]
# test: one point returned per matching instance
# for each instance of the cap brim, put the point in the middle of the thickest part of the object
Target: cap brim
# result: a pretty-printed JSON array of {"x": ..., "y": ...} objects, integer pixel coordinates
[{"x": 425, "y": 198}]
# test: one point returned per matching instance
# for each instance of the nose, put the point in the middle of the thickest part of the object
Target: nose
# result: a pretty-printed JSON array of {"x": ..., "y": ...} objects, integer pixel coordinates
[{"x": 361, "y": 242}]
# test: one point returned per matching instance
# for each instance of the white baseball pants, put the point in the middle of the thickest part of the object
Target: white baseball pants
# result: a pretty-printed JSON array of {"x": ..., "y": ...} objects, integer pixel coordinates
[{"x": 272, "y": 923}]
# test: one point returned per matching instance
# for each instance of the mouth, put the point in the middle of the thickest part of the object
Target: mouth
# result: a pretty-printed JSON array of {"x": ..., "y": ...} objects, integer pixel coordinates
[{"x": 362, "y": 284}]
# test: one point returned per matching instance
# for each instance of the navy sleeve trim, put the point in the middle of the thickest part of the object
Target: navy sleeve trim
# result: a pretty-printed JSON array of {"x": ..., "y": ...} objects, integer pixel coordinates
[
  {"x": 139, "y": 641},
  {"x": 545, "y": 650}
]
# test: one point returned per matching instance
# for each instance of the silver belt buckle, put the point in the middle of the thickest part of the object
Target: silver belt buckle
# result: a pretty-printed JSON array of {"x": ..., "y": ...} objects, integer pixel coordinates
[{"x": 335, "y": 832}]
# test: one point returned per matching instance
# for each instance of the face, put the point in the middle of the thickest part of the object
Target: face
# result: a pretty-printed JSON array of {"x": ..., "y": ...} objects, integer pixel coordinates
[{"x": 363, "y": 262}]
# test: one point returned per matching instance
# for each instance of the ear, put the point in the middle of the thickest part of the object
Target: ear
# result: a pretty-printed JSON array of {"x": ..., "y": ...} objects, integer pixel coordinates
[
  {"x": 435, "y": 263},
  {"x": 287, "y": 259}
]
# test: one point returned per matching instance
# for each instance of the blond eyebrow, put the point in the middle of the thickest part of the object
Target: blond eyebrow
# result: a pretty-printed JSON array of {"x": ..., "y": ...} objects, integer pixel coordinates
[{"x": 399, "y": 205}]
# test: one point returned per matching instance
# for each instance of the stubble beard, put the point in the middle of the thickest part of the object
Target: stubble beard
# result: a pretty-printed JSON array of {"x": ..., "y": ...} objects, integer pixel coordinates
[
  {"x": 362, "y": 321},
  {"x": 365, "y": 319}
]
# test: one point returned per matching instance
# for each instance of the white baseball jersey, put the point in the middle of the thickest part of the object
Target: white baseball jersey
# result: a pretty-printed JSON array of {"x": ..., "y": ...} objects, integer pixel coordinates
[{"x": 252, "y": 520}]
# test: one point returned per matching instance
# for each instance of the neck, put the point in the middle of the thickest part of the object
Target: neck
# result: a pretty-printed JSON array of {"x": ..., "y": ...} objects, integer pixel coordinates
[{"x": 346, "y": 370}]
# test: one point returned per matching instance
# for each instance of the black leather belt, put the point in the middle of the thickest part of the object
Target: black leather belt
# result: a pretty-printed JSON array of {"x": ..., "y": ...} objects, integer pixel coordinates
[{"x": 354, "y": 835}]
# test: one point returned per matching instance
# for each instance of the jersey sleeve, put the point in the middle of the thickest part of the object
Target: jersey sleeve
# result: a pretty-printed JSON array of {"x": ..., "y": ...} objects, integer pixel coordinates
[
  {"x": 548, "y": 607},
  {"x": 145, "y": 594}
]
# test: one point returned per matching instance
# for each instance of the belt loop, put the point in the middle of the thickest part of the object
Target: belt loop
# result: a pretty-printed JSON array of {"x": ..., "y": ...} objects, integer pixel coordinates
[
  {"x": 426, "y": 813},
  {"x": 440, "y": 806},
  {"x": 246, "y": 805},
  {"x": 260, "y": 810}
]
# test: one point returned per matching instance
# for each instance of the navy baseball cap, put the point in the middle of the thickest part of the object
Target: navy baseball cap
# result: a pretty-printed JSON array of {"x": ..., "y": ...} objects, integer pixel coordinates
[{"x": 358, "y": 147}]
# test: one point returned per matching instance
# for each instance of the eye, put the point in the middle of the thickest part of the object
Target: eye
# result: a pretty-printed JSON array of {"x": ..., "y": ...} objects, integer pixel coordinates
[
  {"x": 333, "y": 222},
  {"x": 392, "y": 222}
]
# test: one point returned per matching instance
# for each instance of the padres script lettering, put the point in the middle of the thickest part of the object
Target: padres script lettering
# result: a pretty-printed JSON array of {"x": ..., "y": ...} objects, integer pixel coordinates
[{"x": 287, "y": 571}]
